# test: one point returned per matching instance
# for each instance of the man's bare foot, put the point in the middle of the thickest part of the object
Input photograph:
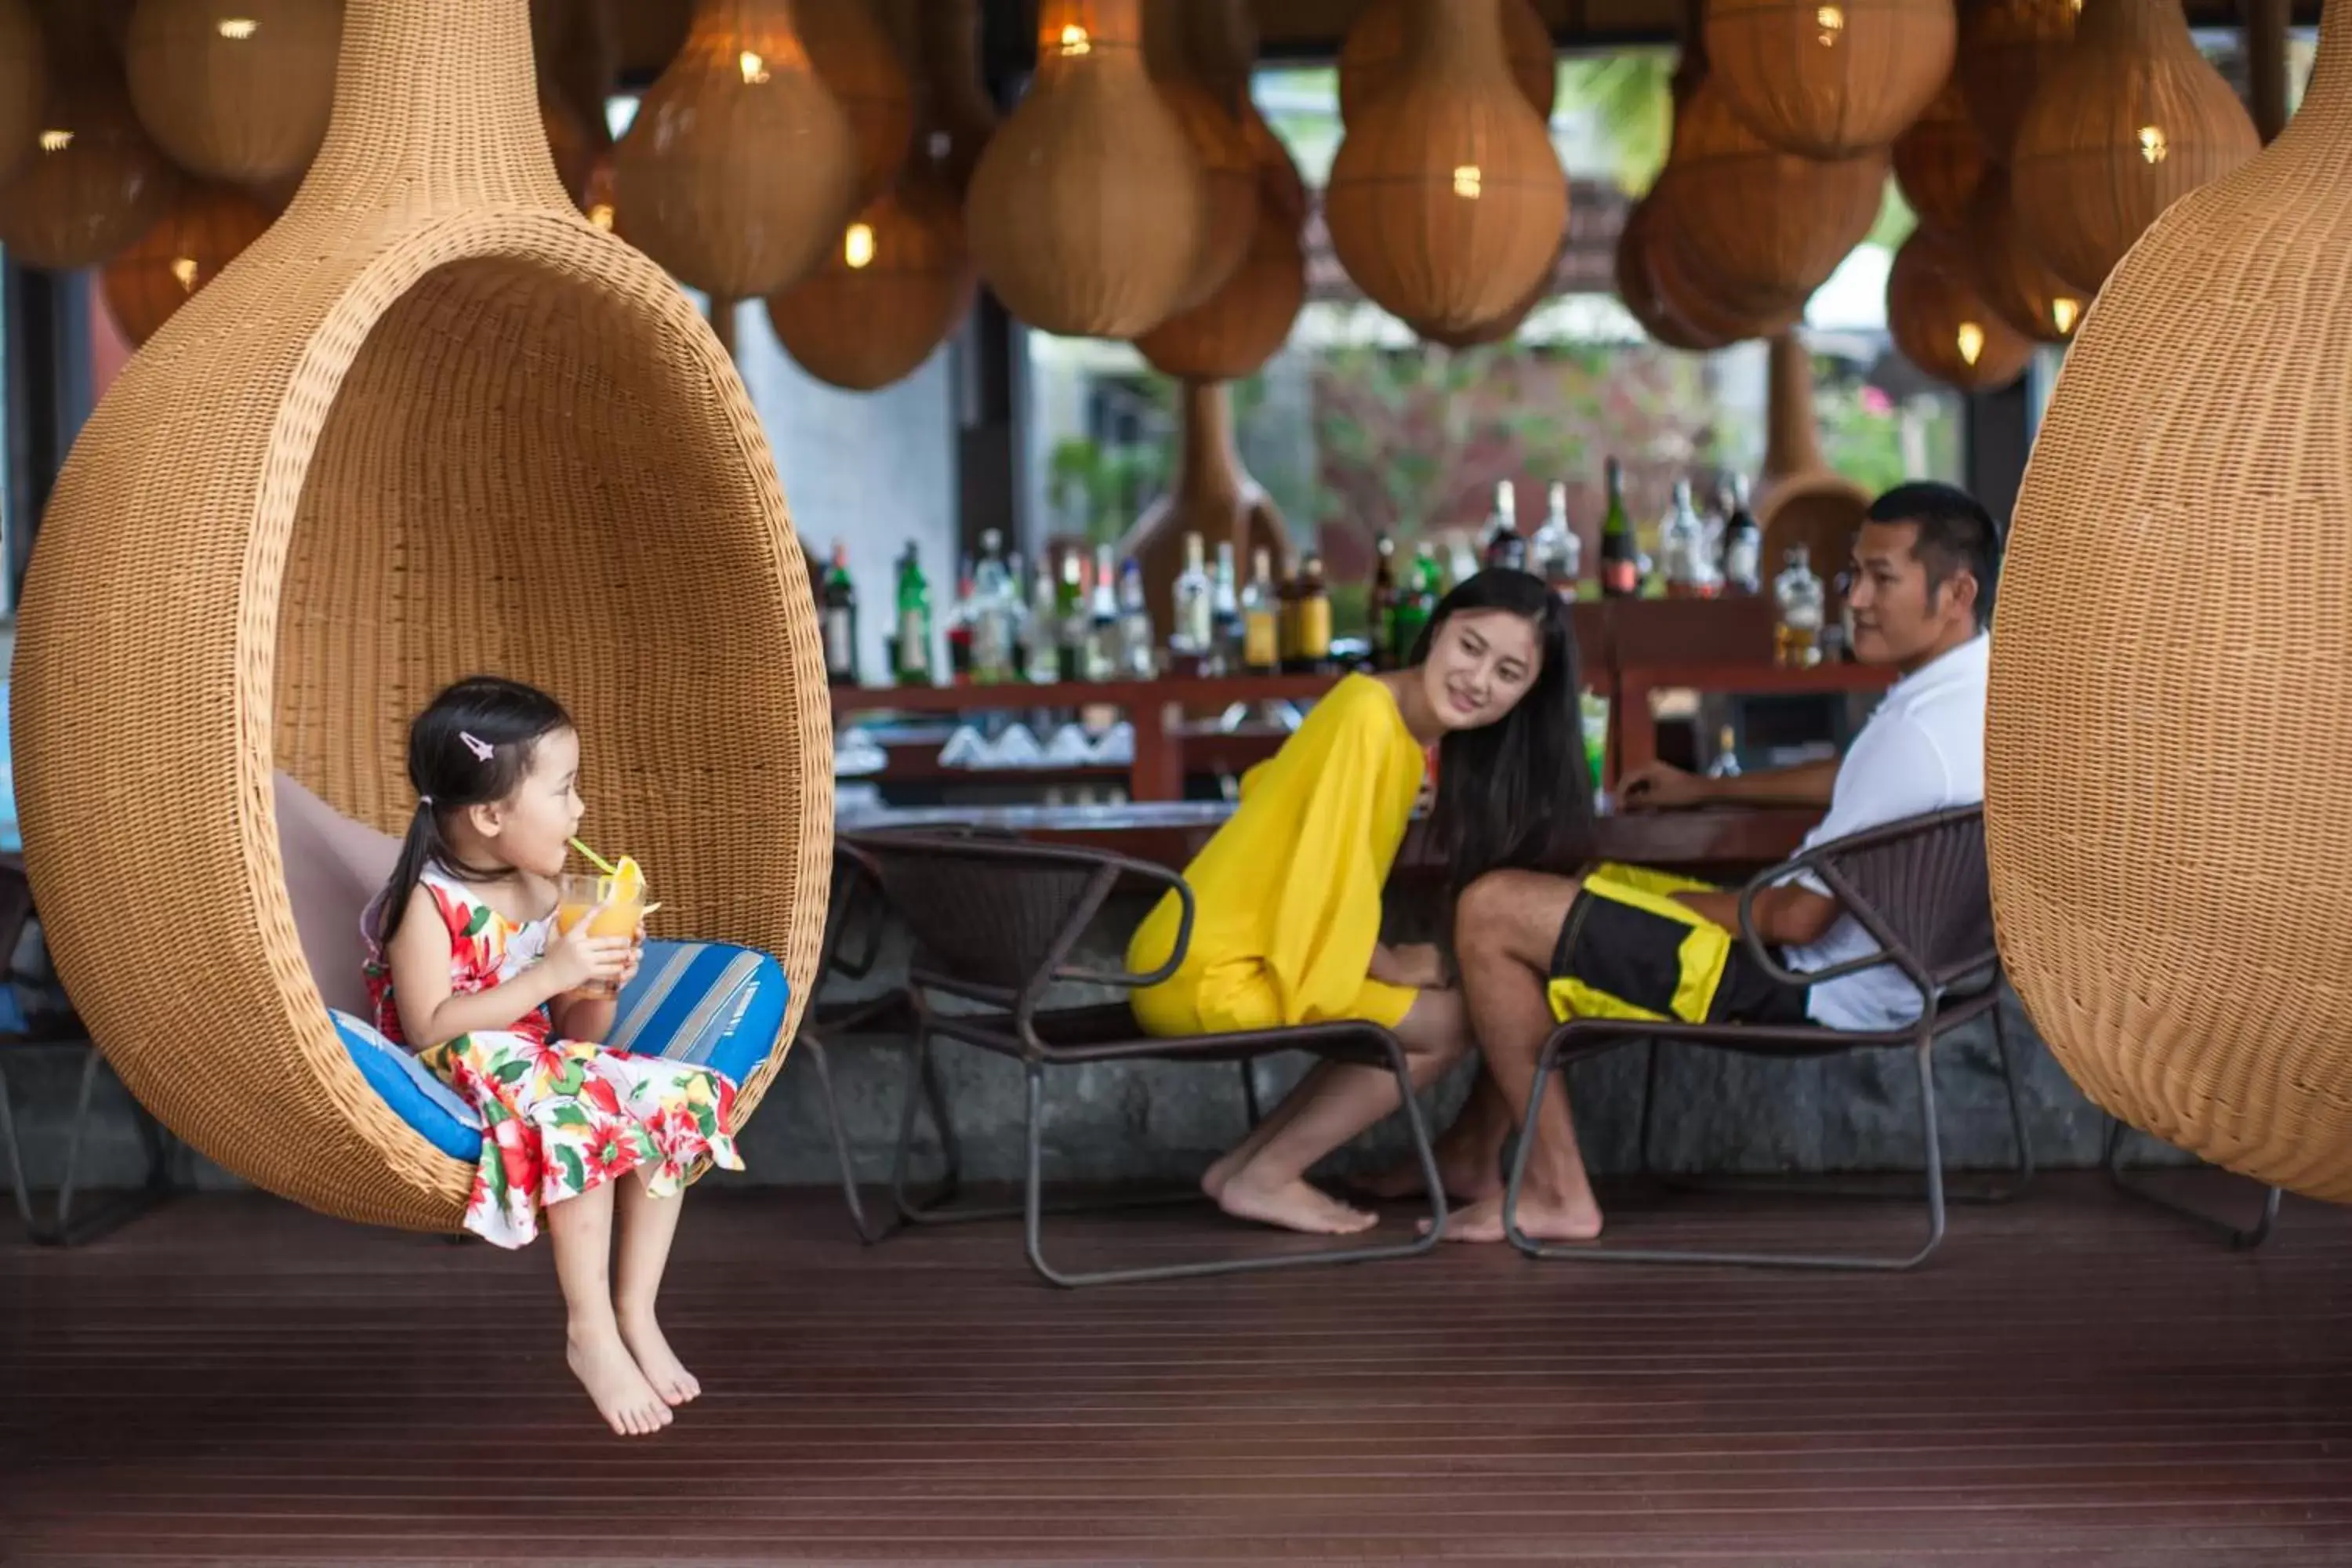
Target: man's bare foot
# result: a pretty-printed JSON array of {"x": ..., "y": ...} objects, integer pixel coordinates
[
  {"x": 662, "y": 1369},
  {"x": 1482, "y": 1221},
  {"x": 1466, "y": 1179},
  {"x": 1294, "y": 1205},
  {"x": 605, "y": 1367}
]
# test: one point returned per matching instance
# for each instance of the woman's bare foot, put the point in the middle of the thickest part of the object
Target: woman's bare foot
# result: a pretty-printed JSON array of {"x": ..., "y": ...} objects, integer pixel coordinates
[
  {"x": 1482, "y": 1221},
  {"x": 1214, "y": 1181},
  {"x": 662, "y": 1369},
  {"x": 605, "y": 1367},
  {"x": 1293, "y": 1204}
]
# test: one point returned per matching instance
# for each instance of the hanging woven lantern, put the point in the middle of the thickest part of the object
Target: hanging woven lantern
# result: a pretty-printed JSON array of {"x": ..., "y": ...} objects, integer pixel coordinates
[
  {"x": 1237, "y": 330},
  {"x": 1829, "y": 79},
  {"x": 1446, "y": 202},
  {"x": 206, "y": 230},
  {"x": 2010, "y": 275},
  {"x": 854, "y": 57},
  {"x": 739, "y": 166},
  {"x": 2131, "y": 120},
  {"x": 1939, "y": 162},
  {"x": 21, "y": 75},
  {"x": 569, "y": 142},
  {"x": 2006, "y": 48},
  {"x": 1372, "y": 57},
  {"x": 956, "y": 106},
  {"x": 93, "y": 182},
  {"x": 1695, "y": 315},
  {"x": 886, "y": 296},
  {"x": 1278, "y": 170},
  {"x": 1941, "y": 324},
  {"x": 1637, "y": 288},
  {"x": 1085, "y": 211},
  {"x": 2165, "y": 880},
  {"x": 234, "y": 90},
  {"x": 1228, "y": 166},
  {"x": 1500, "y": 330},
  {"x": 1758, "y": 226}
]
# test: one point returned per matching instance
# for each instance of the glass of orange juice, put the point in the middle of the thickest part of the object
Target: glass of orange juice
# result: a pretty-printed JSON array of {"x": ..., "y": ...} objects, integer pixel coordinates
[{"x": 623, "y": 910}]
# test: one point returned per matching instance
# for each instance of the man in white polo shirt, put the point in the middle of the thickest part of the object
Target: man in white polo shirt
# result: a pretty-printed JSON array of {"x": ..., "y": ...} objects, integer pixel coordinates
[{"x": 1536, "y": 949}]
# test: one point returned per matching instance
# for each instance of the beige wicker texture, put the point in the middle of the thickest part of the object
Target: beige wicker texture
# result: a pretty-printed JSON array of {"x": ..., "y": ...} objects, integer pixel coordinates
[
  {"x": 1800, "y": 500},
  {"x": 740, "y": 167},
  {"x": 1220, "y": 144},
  {"x": 1759, "y": 226},
  {"x": 886, "y": 295},
  {"x": 862, "y": 67},
  {"x": 23, "y": 82},
  {"x": 2006, "y": 49},
  {"x": 1243, "y": 324},
  {"x": 2166, "y": 737},
  {"x": 432, "y": 422},
  {"x": 93, "y": 182},
  {"x": 1373, "y": 56},
  {"x": 956, "y": 105},
  {"x": 236, "y": 92},
  {"x": 207, "y": 226},
  {"x": 2011, "y": 275},
  {"x": 2131, "y": 120},
  {"x": 1829, "y": 79},
  {"x": 1446, "y": 202},
  {"x": 1943, "y": 325},
  {"x": 1939, "y": 162},
  {"x": 1087, "y": 209}
]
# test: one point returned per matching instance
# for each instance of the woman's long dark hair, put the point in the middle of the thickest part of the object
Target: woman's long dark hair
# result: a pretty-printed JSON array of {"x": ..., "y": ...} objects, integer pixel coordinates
[
  {"x": 1519, "y": 792},
  {"x": 471, "y": 746}
]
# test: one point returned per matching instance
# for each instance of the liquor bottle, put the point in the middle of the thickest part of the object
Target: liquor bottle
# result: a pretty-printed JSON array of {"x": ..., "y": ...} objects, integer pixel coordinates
[
  {"x": 1261, "y": 619},
  {"x": 1102, "y": 629},
  {"x": 996, "y": 613},
  {"x": 1727, "y": 755},
  {"x": 1041, "y": 634},
  {"x": 1191, "y": 631},
  {"x": 1138, "y": 654},
  {"x": 840, "y": 602},
  {"x": 1415, "y": 605},
  {"x": 960, "y": 627},
  {"x": 1557, "y": 553},
  {"x": 1743, "y": 543},
  {"x": 1225, "y": 615},
  {"x": 1620, "y": 563},
  {"x": 1311, "y": 651},
  {"x": 910, "y": 644},
  {"x": 1462, "y": 562},
  {"x": 1070, "y": 614},
  {"x": 1797, "y": 638},
  {"x": 1380, "y": 606},
  {"x": 1682, "y": 549},
  {"x": 1506, "y": 548}
]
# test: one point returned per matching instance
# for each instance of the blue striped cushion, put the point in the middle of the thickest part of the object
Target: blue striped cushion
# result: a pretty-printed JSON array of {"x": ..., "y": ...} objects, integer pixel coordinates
[{"x": 698, "y": 1002}]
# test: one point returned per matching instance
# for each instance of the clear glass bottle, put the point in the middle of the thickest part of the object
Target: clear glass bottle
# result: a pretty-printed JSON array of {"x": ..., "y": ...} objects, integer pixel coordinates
[
  {"x": 1225, "y": 614},
  {"x": 1557, "y": 555},
  {"x": 1682, "y": 549},
  {"x": 1138, "y": 651},
  {"x": 1193, "y": 631},
  {"x": 1260, "y": 617},
  {"x": 1798, "y": 592}
]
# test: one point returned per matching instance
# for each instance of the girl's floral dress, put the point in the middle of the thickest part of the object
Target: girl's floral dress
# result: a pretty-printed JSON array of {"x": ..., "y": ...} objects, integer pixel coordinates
[{"x": 558, "y": 1117}]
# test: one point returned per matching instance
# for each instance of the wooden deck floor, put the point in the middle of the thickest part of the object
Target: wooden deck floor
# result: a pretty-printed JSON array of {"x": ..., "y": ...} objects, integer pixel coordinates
[{"x": 2071, "y": 1381}]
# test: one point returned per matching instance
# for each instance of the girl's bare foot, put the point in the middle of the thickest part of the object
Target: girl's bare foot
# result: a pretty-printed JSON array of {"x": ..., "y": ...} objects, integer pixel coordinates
[
  {"x": 662, "y": 1369},
  {"x": 604, "y": 1366},
  {"x": 1293, "y": 1204},
  {"x": 1482, "y": 1221}
]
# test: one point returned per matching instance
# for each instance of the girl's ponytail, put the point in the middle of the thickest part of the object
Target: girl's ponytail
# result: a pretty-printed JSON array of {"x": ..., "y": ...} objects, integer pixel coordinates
[{"x": 422, "y": 846}]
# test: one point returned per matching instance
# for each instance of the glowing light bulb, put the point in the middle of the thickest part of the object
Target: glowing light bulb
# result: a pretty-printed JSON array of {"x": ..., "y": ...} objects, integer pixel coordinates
[
  {"x": 1969, "y": 340},
  {"x": 2064, "y": 313},
  {"x": 238, "y": 28},
  {"x": 1073, "y": 40},
  {"x": 56, "y": 141},
  {"x": 601, "y": 214},
  {"x": 184, "y": 268},
  {"x": 857, "y": 246},
  {"x": 2152, "y": 144},
  {"x": 1468, "y": 181},
  {"x": 753, "y": 67},
  {"x": 1831, "y": 20}
]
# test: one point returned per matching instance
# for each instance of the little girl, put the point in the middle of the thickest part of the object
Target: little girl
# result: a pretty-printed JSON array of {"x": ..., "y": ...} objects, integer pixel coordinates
[{"x": 468, "y": 972}]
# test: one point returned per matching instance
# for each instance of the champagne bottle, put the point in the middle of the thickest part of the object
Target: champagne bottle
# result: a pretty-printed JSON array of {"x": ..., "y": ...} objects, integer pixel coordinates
[
  {"x": 1743, "y": 543},
  {"x": 1506, "y": 548},
  {"x": 1415, "y": 605},
  {"x": 1620, "y": 563},
  {"x": 910, "y": 649},
  {"x": 840, "y": 603}
]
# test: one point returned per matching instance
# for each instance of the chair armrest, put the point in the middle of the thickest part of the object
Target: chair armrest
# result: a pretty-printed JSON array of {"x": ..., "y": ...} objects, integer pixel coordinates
[
  {"x": 1822, "y": 862},
  {"x": 1128, "y": 980}
]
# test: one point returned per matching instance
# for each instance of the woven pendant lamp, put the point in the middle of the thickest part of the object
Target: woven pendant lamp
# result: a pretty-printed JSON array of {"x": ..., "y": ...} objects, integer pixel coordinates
[
  {"x": 1942, "y": 325},
  {"x": 1939, "y": 162},
  {"x": 428, "y": 404},
  {"x": 1087, "y": 209},
  {"x": 1829, "y": 79},
  {"x": 570, "y": 142},
  {"x": 956, "y": 105},
  {"x": 93, "y": 182},
  {"x": 1374, "y": 56},
  {"x": 1637, "y": 287},
  {"x": 2006, "y": 49},
  {"x": 859, "y": 64},
  {"x": 2130, "y": 119},
  {"x": 2011, "y": 275},
  {"x": 740, "y": 165},
  {"x": 1228, "y": 164},
  {"x": 1237, "y": 330},
  {"x": 207, "y": 226},
  {"x": 234, "y": 90},
  {"x": 1499, "y": 330},
  {"x": 1446, "y": 202},
  {"x": 1278, "y": 175},
  {"x": 23, "y": 84},
  {"x": 888, "y": 295},
  {"x": 2171, "y": 626}
]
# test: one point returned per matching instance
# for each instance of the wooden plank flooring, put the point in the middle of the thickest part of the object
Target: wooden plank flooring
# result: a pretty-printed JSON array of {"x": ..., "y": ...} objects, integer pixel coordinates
[{"x": 2070, "y": 1380}]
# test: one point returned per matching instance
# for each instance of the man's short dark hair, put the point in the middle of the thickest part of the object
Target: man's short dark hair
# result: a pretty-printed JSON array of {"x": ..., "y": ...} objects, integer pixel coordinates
[{"x": 1955, "y": 532}]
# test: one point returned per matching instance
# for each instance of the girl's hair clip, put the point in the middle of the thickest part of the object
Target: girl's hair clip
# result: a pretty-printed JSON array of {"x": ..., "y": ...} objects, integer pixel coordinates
[
  {"x": 425, "y": 800},
  {"x": 481, "y": 749}
]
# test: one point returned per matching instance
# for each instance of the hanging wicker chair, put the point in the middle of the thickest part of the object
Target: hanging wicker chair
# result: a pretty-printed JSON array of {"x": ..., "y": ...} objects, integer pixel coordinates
[{"x": 433, "y": 422}]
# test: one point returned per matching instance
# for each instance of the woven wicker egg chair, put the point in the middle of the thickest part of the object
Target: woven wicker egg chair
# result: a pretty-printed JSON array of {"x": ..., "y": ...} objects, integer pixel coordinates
[{"x": 433, "y": 421}]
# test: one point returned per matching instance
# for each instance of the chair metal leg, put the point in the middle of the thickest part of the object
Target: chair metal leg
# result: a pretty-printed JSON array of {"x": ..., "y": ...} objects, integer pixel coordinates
[
  {"x": 922, "y": 1087},
  {"x": 1593, "y": 1252},
  {"x": 1033, "y": 1209},
  {"x": 2241, "y": 1239},
  {"x": 1250, "y": 1105},
  {"x": 16, "y": 1182},
  {"x": 813, "y": 1045},
  {"x": 64, "y": 1228}
]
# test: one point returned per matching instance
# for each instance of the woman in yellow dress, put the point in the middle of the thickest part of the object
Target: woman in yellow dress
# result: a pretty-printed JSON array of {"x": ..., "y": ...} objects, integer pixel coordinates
[{"x": 1287, "y": 896}]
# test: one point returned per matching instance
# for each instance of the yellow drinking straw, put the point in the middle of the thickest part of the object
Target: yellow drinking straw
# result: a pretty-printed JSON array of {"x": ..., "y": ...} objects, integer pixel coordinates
[{"x": 596, "y": 859}]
